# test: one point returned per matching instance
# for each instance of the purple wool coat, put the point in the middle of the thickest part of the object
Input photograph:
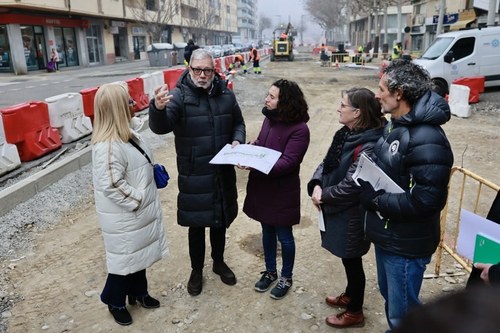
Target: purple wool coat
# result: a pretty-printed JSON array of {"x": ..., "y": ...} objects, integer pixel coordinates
[{"x": 274, "y": 199}]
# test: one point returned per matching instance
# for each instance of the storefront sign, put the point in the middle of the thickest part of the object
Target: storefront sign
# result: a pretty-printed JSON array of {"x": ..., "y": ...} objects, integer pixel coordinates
[
  {"x": 118, "y": 24},
  {"x": 41, "y": 20},
  {"x": 447, "y": 18}
]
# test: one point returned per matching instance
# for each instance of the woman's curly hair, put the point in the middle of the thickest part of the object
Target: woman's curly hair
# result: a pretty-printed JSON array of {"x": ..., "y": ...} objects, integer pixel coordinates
[{"x": 292, "y": 105}]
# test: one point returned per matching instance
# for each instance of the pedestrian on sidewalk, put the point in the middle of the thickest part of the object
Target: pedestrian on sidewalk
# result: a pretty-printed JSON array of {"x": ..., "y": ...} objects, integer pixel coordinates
[
  {"x": 127, "y": 203},
  {"x": 274, "y": 199},
  {"x": 335, "y": 194},
  {"x": 204, "y": 116}
]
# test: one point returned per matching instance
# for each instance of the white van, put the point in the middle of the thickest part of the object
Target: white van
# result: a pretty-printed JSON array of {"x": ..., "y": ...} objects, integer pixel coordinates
[{"x": 463, "y": 53}]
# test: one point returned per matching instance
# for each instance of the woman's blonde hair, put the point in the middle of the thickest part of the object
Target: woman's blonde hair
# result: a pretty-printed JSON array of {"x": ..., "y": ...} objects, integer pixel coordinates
[{"x": 111, "y": 113}]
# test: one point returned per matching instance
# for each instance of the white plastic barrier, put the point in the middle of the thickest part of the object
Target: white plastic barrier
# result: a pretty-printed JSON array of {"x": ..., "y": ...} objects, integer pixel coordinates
[
  {"x": 151, "y": 81},
  {"x": 66, "y": 114},
  {"x": 459, "y": 100},
  {"x": 9, "y": 156}
]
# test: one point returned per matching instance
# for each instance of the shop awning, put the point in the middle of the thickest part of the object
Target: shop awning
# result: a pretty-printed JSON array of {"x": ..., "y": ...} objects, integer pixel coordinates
[{"x": 464, "y": 18}]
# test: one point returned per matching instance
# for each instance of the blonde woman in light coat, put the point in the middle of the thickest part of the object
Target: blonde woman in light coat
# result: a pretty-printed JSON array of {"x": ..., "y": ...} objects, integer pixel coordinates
[{"x": 127, "y": 204}]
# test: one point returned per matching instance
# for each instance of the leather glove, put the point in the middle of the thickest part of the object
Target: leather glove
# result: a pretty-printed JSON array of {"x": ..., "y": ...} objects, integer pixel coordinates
[{"x": 369, "y": 197}]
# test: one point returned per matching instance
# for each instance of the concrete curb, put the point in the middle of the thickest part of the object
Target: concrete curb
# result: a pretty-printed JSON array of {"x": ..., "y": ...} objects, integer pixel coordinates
[{"x": 29, "y": 187}]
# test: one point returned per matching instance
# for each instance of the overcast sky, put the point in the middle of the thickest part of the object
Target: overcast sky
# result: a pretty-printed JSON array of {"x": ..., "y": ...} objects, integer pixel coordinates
[{"x": 279, "y": 11}]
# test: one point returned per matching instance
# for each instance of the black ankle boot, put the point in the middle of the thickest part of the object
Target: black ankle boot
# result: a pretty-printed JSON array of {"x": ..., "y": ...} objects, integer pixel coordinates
[
  {"x": 121, "y": 315},
  {"x": 195, "y": 283},
  {"x": 148, "y": 302}
]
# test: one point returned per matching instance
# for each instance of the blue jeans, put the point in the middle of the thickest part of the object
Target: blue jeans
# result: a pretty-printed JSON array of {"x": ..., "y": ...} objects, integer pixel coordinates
[
  {"x": 399, "y": 281},
  {"x": 270, "y": 235}
]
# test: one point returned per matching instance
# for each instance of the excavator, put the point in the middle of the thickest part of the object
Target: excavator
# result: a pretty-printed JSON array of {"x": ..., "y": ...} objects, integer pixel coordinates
[{"x": 283, "y": 45}]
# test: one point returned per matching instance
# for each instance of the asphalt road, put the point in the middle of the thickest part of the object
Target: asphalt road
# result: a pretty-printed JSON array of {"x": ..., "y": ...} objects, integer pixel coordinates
[{"x": 39, "y": 85}]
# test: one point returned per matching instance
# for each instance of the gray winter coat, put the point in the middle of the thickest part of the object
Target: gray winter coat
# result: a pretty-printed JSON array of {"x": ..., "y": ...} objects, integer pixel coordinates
[{"x": 202, "y": 122}]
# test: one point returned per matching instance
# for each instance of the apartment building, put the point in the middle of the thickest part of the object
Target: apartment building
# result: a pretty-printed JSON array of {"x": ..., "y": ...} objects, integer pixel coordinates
[
  {"x": 247, "y": 21},
  {"x": 97, "y": 32},
  {"x": 458, "y": 14}
]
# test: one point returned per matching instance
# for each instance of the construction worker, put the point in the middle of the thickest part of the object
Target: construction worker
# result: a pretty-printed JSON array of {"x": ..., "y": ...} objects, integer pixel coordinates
[
  {"x": 239, "y": 61},
  {"x": 255, "y": 57},
  {"x": 396, "y": 51},
  {"x": 283, "y": 36}
]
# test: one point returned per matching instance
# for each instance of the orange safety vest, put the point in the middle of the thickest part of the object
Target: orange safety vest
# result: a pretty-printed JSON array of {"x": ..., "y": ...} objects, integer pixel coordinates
[
  {"x": 255, "y": 54},
  {"x": 238, "y": 57}
]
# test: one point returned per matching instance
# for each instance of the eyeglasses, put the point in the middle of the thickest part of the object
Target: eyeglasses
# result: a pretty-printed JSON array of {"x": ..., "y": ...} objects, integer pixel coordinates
[
  {"x": 342, "y": 106},
  {"x": 206, "y": 71}
]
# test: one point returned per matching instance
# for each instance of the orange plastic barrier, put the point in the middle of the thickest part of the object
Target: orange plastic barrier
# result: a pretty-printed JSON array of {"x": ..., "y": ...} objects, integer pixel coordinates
[
  {"x": 88, "y": 96},
  {"x": 476, "y": 85},
  {"x": 27, "y": 125},
  {"x": 136, "y": 91},
  {"x": 171, "y": 76}
]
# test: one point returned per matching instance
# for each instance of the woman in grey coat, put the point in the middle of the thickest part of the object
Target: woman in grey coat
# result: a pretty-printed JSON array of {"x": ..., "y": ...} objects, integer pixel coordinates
[{"x": 333, "y": 190}]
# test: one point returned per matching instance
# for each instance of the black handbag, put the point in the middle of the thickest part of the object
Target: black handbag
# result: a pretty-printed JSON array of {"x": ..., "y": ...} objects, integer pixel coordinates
[{"x": 159, "y": 171}]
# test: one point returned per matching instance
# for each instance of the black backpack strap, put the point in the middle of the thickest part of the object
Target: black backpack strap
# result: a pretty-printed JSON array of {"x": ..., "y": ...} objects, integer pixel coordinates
[{"x": 140, "y": 150}]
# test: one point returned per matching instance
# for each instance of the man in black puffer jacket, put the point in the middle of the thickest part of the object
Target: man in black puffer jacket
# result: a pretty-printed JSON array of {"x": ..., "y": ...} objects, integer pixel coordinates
[
  {"x": 415, "y": 153},
  {"x": 204, "y": 116}
]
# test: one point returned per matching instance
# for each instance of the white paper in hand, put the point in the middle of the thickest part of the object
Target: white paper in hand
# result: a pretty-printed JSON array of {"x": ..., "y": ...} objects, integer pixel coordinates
[
  {"x": 321, "y": 221},
  {"x": 257, "y": 157},
  {"x": 370, "y": 172}
]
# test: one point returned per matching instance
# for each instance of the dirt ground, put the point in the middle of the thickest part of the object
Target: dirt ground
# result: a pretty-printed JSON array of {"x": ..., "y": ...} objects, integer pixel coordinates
[{"x": 56, "y": 284}]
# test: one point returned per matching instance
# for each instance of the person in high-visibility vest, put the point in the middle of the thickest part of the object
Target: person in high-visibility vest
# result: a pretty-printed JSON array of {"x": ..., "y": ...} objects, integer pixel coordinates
[
  {"x": 239, "y": 60},
  {"x": 396, "y": 51},
  {"x": 283, "y": 36},
  {"x": 255, "y": 57}
]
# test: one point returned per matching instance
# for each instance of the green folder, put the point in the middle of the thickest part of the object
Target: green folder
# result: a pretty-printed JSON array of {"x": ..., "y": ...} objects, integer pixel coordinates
[{"x": 486, "y": 250}]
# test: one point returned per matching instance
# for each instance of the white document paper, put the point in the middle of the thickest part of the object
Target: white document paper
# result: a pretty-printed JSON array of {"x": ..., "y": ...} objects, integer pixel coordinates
[
  {"x": 470, "y": 225},
  {"x": 259, "y": 158},
  {"x": 321, "y": 221},
  {"x": 370, "y": 172}
]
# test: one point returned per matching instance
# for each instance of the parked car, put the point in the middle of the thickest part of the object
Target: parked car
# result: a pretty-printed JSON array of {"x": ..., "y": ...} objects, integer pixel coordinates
[
  {"x": 228, "y": 49},
  {"x": 215, "y": 50},
  {"x": 238, "y": 48}
]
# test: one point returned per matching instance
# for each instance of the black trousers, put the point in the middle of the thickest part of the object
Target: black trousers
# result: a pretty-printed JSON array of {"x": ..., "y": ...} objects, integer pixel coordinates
[
  {"x": 117, "y": 288},
  {"x": 196, "y": 237},
  {"x": 356, "y": 281}
]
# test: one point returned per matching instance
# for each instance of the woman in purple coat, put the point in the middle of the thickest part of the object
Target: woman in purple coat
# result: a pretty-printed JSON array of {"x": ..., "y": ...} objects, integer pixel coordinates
[{"x": 274, "y": 199}]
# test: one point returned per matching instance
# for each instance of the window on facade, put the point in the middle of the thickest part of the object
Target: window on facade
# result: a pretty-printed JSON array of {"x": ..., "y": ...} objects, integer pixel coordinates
[
  {"x": 151, "y": 5},
  {"x": 4, "y": 48},
  {"x": 228, "y": 9}
]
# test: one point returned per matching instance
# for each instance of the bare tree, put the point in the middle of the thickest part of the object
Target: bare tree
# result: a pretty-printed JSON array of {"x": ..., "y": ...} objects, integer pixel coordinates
[
  {"x": 203, "y": 19},
  {"x": 264, "y": 23},
  {"x": 328, "y": 14},
  {"x": 154, "y": 15}
]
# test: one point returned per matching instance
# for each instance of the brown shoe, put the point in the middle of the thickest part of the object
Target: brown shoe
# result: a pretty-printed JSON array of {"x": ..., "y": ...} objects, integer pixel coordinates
[
  {"x": 346, "y": 319},
  {"x": 338, "y": 301}
]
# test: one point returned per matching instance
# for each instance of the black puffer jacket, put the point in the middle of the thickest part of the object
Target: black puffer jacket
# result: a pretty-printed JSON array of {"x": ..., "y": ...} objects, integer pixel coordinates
[
  {"x": 343, "y": 235},
  {"x": 416, "y": 154},
  {"x": 202, "y": 122}
]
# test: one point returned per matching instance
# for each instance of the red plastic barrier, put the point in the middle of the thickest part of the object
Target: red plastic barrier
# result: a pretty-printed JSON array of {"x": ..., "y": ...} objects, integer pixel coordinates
[
  {"x": 88, "y": 96},
  {"x": 230, "y": 84},
  {"x": 136, "y": 91},
  {"x": 170, "y": 76},
  {"x": 474, "y": 83},
  {"x": 27, "y": 125},
  {"x": 218, "y": 67},
  {"x": 228, "y": 60}
]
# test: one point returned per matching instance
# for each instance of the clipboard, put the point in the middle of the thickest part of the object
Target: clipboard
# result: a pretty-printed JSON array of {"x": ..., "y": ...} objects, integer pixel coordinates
[{"x": 486, "y": 250}]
